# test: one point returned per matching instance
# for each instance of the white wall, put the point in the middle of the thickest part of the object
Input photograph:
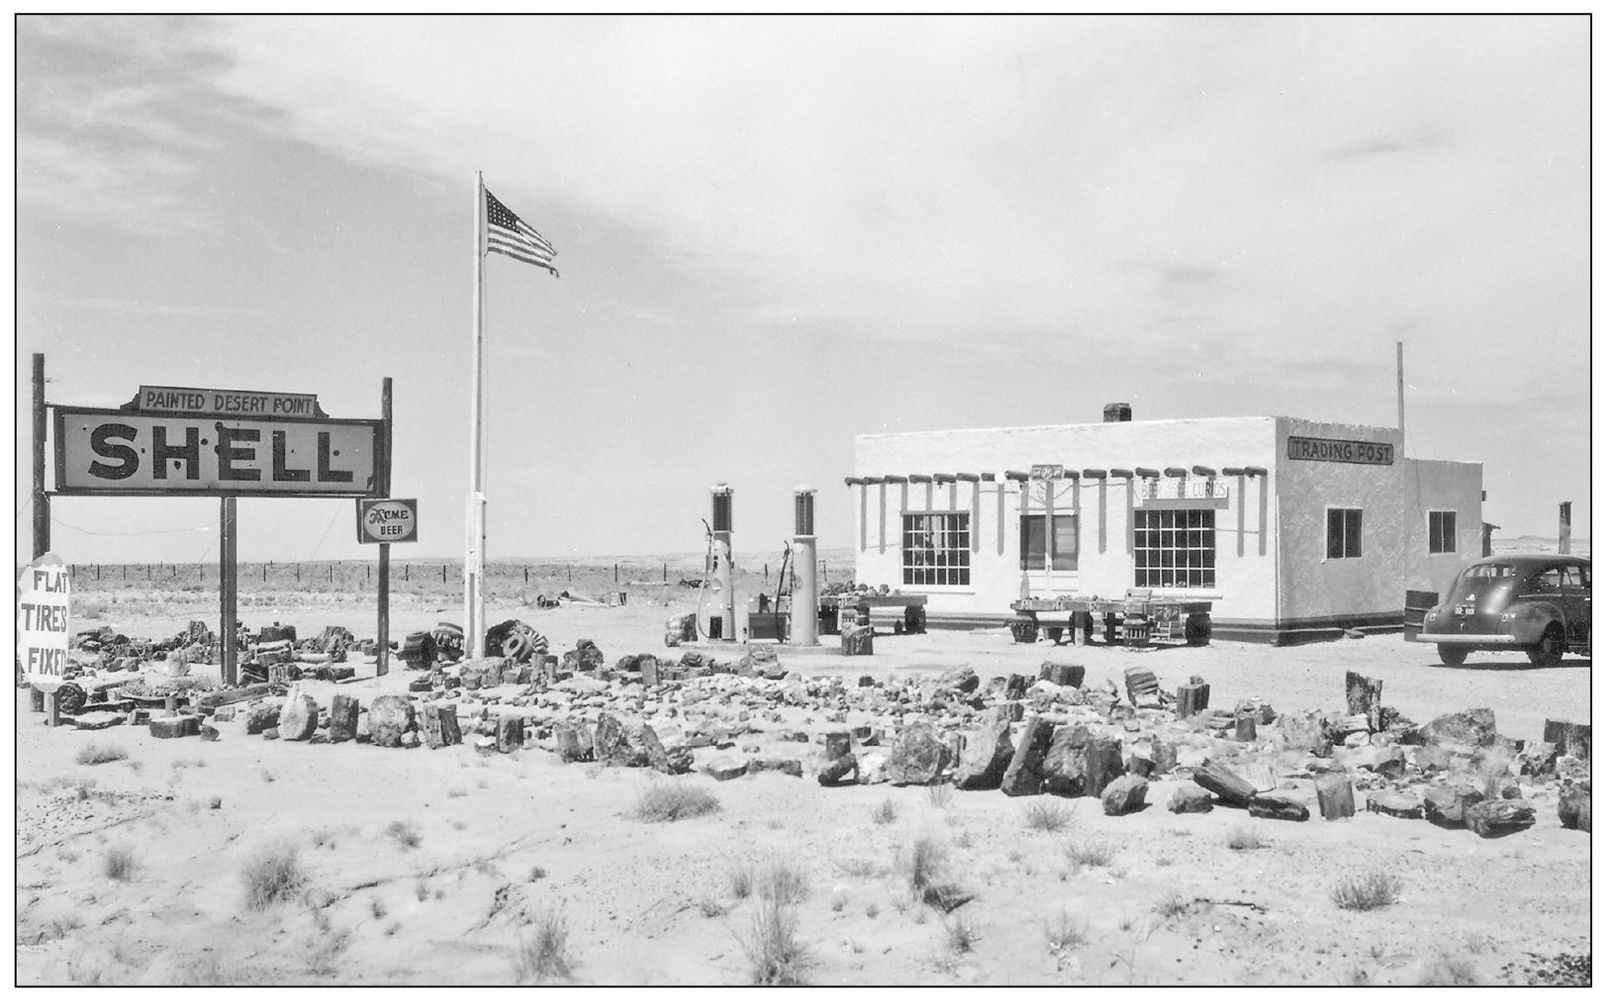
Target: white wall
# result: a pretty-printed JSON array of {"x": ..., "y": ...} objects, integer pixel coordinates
[
  {"x": 1394, "y": 501},
  {"x": 1244, "y": 583}
]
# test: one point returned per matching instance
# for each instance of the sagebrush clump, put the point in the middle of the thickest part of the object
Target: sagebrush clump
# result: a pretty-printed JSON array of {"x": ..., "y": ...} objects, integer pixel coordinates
[{"x": 674, "y": 802}]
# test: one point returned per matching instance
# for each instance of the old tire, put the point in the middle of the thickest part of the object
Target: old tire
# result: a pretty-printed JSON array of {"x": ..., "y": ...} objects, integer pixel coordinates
[
  {"x": 70, "y": 698},
  {"x": 1452, "y": 656},
  {"x": 1197, "y": 629},
  {"x": 1549, "y": 651}
]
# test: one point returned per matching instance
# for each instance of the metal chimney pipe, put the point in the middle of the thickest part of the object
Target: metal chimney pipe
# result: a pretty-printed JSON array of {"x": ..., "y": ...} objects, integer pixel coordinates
[
  {"x": 804, "y": 599},
  {"x": 1565, "y": 523}
]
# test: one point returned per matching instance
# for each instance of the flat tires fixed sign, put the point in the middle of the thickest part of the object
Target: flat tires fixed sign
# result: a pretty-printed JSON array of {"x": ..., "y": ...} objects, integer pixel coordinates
[
  {"x": 389, "y": 520},
  {"x": 43, "y": 592}
]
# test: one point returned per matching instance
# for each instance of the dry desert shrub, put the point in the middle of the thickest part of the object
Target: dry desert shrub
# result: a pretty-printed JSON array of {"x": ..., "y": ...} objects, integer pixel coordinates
[
  {"x": 404, "y": 833},
  {"x": 740, "y": 881},
  {"x": 1366, "y": 891},
  {"x": 776, "y": 953},
  {"x": 710, "y": 908},
  {"x": 542, "y": 955},
  {"x": 99, "y": 754},
  {"x": 783, "y": 882},
  {"x": 674, "y": 802},
  {"x": 940, "y": 796},
  {"x": 1172, "y": 905},
  {"x": 1048, "y": 816},
  {"x": 1063, "y": 933},
  {"x": 1091, "y": 853},
  {"x": 1449, "y": 971},
  {"x": 272, "y": 875},
  {"x": 1244, "y": 838},
  {"x": 120, "y": 863},
  {"x": 886, "y": 813},
  {"x": 923, "y": 868},
  {"x": 960, "y": 935}
]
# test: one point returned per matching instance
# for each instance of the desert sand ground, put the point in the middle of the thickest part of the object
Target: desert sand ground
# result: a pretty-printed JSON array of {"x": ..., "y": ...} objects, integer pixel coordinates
[{"x": 425, "y": 867}]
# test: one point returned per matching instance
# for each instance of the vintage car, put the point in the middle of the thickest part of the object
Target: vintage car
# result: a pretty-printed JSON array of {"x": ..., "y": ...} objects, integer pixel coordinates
[{"x": 1539, "y": 604}]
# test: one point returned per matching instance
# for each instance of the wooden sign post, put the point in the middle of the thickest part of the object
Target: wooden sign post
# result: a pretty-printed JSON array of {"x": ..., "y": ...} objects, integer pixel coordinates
[{"x": 172, "y": 441}]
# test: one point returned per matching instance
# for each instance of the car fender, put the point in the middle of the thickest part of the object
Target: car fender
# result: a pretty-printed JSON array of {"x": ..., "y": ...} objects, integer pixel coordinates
[{"x": 1530, "y": 619}]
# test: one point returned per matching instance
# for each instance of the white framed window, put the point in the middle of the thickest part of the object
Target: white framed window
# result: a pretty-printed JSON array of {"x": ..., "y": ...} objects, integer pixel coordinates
[
  {"x": 1343, "y": 533},
  {"x": 1442, "y": 531},
  {"x": 1033, "y": 542},
  {"x": 935, "y": 548},
  {"x": 1174, "y": 547}
]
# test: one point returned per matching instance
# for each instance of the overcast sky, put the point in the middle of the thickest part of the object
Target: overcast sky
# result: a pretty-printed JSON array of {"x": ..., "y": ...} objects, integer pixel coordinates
[{"x": 776, "y": 234}]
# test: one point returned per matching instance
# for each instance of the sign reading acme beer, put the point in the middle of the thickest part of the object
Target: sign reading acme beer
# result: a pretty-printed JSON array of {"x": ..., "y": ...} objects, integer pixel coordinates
[
  {"x": 128, "y": 452},
  {"x": 1372, "y": 453}
]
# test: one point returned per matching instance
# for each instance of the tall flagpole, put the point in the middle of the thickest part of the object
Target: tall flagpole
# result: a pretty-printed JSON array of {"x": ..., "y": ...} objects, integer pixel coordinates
[{"x": 476, "y": 511}]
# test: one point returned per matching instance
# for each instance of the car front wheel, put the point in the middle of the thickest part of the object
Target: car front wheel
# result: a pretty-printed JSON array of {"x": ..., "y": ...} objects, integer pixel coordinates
[
  {"x": 1452, "y": 656},
  {"x": 1549, "y": 651}
]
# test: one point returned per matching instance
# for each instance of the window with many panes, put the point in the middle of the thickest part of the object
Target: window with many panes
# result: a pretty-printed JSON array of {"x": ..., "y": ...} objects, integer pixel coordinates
[
  {"x": 1442, "y": 531},
  {"x": 1033, "y": 542},
  {"x": 1174, "y": 548},
  {"x": 935, "y": 548},
  {"x": 1343, "y": 533}
]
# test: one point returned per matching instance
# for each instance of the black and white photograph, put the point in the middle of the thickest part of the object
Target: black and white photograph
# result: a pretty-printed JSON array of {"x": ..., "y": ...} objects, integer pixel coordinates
[{"x": 831, "y": 500}]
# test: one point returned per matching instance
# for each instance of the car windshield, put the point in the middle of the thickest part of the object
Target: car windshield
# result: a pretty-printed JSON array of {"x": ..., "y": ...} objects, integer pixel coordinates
[{"x": 1487, "y": 572}]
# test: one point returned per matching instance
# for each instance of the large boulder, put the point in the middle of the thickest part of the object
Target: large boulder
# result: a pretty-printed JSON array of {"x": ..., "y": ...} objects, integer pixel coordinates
[
  {"x": 726, "y": 767},
  {"x": 1494, "y": 817},
  {"x": 918, "y": 756},
  {"x": 299, "y": 717},
  {"x": 667, "y": 749},
  {"x": 511, "y": 733},
  {"x": 617, "y": 744},
  {"x": 262, "y": 717},
  {"x": 1446, "y": 805},
  {"x": 1574, "y": 804},
  {"x": 390, "y": 717},
  {"x": 964, "y": 680},
  {"x": 1063, "y": 674},
  {"x": 1271, "y": 806},
  {"x": 1189, "y": 799},
  {"x": 1223, "y": 782},
  {"x": 987, "y": 753},
  {"x": 837, "y": 770},
  {"x": 343, "y": 718},
  {"x": 1124, "y": 795},
  {"x": 573, "y": 741},
  {"x": 1103, "y": 762},
  {"x": 1023, "y": 776},
  {"x": 1466, "y": 730},
  {"x": 481, "y": 672},
  {"x": 1064, "y": 767},
  {"x": 1305, "y": 732},
  {"x": 439, "y": 725}
]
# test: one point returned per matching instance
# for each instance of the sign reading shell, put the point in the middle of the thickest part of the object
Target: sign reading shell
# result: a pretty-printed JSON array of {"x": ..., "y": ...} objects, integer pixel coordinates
[
  {"x": 118, "y": 452},
  {"x": 390, "y": 520},
  {"x": 43, "y": 590}
]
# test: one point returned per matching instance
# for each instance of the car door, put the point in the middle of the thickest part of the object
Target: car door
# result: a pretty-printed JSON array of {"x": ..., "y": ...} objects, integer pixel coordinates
[{"x": 1576, "y": 603}]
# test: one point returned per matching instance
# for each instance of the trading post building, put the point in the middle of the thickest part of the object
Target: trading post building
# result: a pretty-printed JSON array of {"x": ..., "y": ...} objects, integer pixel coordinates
[{"x": 1293, "y": 529}]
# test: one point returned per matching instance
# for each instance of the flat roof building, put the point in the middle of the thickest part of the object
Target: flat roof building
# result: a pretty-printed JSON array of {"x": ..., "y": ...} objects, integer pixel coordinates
[{"x": 1294, "y": 529}]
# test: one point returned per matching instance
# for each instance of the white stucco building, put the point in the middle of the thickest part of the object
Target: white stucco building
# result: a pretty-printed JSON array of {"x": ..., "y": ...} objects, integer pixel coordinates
[{"x": 1294, "y": 528}]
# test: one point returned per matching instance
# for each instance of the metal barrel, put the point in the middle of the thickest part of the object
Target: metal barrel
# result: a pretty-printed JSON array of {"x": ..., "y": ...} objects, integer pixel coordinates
[{"x": 1417, "y": 605}]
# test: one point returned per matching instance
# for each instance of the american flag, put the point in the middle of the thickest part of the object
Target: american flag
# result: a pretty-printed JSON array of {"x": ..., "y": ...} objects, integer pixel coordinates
[{"x": 508, "y": 235}]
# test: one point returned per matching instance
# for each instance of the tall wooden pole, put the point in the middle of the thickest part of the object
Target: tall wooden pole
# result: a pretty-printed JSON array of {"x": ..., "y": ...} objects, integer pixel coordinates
[
  {"x": 41, "y": 499},
  {"x": 476, "y": 511},
  {"x": 226, "y": 589},
  {"x": 383, "y": 587}
]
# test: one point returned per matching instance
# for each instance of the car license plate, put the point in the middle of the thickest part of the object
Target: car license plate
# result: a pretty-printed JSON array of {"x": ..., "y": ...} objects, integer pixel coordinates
[{"x": 1464, "y": 609}]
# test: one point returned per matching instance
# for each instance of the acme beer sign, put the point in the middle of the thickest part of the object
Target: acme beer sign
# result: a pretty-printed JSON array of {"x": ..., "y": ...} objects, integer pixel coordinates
[
  {"x": 119, "y": 452},
  {"x": 1371, "y": 453}
]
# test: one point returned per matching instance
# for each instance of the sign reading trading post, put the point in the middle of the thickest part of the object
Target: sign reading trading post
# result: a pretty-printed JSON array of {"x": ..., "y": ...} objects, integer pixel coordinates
[
  {"x": 42, "y": 598},
  {"x": 208, "y": 454}
]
